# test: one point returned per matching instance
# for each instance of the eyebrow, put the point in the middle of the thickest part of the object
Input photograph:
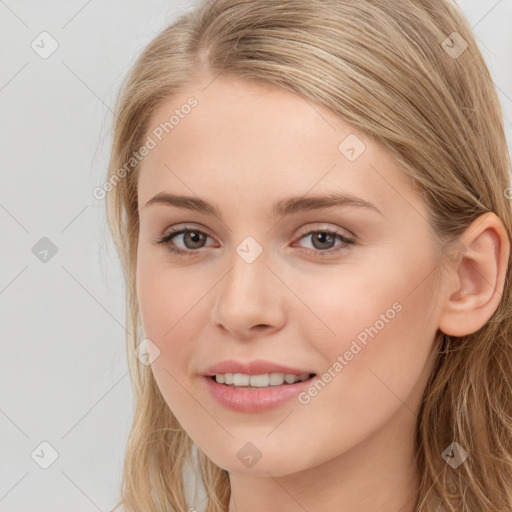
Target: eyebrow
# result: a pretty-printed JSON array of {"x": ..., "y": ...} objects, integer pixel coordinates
[{"x": 282, "y": 207}]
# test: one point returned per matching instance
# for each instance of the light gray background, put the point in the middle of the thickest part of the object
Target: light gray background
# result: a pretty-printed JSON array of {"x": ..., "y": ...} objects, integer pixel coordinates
[{"x": 63, "y": 370}]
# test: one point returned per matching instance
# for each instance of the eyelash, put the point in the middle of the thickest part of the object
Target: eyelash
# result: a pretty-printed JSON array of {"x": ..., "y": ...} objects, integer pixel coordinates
[{"x": 166, "y": 242}]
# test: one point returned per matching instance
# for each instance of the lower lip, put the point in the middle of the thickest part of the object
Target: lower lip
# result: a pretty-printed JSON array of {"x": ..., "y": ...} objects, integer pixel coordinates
[{"x": 255, "y": 399}]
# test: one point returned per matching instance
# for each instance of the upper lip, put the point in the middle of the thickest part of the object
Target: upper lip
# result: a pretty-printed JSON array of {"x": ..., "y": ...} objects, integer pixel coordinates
[{"x": 252, "y": 367}]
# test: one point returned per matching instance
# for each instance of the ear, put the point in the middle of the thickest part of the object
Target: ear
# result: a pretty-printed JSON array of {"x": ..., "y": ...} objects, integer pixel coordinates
[{"x": 476, "y": 277}]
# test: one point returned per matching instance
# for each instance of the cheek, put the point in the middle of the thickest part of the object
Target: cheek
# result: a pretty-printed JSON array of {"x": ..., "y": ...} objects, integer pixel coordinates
[
  {"x": 166, "y": 309},
  {"x": 334, "y": 312},
  {"x": 160, "y": 301},
  {"x": 379, "y": 328},
  {"x": 376, "y": 317},
  {"x": 172, "y": 310},
  {"x": 166, "y": 293}
]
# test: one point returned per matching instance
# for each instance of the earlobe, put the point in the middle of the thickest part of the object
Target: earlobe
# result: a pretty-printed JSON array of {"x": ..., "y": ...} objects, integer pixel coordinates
[{"x": 480, "y": 273}]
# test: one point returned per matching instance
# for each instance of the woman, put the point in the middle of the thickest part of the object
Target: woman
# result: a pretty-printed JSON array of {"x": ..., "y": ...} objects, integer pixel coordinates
[{"x": 311, "y": 203}]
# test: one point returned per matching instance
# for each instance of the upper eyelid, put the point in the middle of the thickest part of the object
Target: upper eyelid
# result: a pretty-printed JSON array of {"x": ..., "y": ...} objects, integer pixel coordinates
[
  {"x": 313, "y": 226},
  {"x": 318, "y": 226},
  {"x": 306, "y": 231}
]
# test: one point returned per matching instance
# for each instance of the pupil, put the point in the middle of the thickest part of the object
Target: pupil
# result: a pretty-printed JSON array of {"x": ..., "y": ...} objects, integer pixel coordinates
[
  {"x": 322, "y": 237},
  {"x": 196, "y": 237}
]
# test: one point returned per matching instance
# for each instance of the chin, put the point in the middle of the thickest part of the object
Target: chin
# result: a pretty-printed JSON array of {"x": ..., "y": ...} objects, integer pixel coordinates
[{"x": 250, "y": 460}]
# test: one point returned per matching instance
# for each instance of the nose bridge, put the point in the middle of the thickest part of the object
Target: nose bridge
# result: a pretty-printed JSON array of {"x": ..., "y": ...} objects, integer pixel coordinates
[
  {"x": 248, "y": 295},
  {"x": 248, "y": 277}
]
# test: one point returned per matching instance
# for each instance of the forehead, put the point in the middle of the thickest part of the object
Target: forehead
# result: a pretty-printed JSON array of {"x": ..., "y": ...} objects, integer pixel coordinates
[{"x": 258, "y": 143}]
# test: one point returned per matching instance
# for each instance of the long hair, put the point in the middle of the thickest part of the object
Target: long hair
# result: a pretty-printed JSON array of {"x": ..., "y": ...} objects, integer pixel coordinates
[{"x": 408, "y": 74}]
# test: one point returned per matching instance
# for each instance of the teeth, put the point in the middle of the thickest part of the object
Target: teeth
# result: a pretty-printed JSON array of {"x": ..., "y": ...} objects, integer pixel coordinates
[
  {"x": 239, "y": 379},
  {"x": 290, "y": 379},
  {"x": 259, "y": 381}
]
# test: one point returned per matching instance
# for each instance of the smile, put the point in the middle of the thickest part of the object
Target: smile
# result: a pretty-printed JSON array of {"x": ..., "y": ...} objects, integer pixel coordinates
[
  {"x": 259, "y": 381},
  {"x": 247, "y": 398}
]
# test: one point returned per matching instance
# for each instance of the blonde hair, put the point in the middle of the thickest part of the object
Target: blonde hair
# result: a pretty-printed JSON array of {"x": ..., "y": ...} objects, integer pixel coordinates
[{"x": 393, "y": 70}]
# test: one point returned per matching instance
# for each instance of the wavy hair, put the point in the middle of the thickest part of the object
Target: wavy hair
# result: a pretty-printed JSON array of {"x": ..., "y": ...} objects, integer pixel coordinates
[{"x": 401, "y": 73}]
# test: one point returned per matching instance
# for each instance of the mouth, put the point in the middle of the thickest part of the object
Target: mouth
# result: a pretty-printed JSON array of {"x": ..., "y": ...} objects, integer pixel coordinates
[
  {"x": 244, "y": 393},
  {"x": 257, "y": 385},
  {"x": 261, "y": 381}
]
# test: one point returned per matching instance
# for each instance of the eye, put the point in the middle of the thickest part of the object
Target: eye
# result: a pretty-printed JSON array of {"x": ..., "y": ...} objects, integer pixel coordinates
[
  {"x": 323, "y": 240},
  {"x": 194, "y": 239}
]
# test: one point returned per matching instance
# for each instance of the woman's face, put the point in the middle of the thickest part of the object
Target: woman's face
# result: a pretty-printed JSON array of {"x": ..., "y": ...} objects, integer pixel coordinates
[{"x": 276, "y": 283}]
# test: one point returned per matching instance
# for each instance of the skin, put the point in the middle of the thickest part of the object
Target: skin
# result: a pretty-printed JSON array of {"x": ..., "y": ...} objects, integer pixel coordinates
[{"x": 243, "y": 147}]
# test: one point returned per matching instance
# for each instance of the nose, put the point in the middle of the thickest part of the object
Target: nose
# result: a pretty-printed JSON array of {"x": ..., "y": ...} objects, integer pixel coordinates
[{"x": 250, "y": 299}]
